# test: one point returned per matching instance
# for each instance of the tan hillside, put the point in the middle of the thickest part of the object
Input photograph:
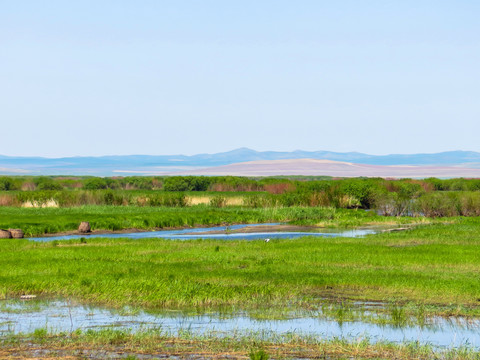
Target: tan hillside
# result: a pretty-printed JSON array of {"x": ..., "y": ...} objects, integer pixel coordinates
[{"x": 314, "y": 167}]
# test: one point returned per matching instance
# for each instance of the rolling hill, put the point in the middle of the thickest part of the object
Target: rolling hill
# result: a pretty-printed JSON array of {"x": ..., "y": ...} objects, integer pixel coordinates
[
  {"x": 313, "y": 167},
  {"x": 169, "y": 164}
]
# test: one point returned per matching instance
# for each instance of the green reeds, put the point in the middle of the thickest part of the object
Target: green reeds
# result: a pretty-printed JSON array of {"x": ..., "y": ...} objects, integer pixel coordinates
[
  {"x": 397, "y": 315},
  {"x": 258, "y": 355}
]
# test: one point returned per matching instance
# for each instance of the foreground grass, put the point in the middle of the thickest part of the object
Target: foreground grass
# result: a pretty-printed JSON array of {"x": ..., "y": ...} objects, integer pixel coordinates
[
  {"x": 38, "y": 221},
  {"x": 121, "y": 343},
  {"x": 432, "y": 265}
]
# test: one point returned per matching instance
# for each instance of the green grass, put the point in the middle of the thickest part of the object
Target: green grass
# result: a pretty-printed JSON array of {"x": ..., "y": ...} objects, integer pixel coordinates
[
  {"x": 38, "y": 221},
  {"x": 433, "y": 265}
]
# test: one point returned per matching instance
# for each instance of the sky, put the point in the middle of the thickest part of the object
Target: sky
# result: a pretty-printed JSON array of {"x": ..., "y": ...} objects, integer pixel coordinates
[{"x": 158, "y": 77}]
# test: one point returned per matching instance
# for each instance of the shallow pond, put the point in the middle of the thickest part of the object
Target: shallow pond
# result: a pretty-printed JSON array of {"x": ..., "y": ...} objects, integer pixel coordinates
[
  {"x": 221, "y": 233},
  {"x": 25, "y": 316}
]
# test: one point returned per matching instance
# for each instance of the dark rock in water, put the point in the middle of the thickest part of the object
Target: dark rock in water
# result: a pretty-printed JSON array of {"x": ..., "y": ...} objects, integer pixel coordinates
[
  {"x": 16, "y": 233},
  {"x": 84, "y": 227},
  {"x": 5, "y": 234}
]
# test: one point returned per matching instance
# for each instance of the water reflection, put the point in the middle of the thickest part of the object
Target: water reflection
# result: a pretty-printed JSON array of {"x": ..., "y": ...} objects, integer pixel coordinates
[
  {"x": 221, "y": 233},
  {"x": 25, "y": 317}
]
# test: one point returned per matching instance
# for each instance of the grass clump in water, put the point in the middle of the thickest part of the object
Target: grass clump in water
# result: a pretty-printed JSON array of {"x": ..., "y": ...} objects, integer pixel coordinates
[
  {"x": 398, "y": 315},
  {"x": 258, "y": 355}
]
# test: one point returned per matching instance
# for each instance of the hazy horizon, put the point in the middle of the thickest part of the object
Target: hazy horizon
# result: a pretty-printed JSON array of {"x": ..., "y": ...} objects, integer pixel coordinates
[
  {"x": 189, "y": 77},
  {"x": 230, "y": 150}
]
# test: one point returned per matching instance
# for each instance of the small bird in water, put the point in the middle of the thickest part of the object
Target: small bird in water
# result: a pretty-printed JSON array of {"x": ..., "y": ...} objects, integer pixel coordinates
[{"x": 267, "y": 240}]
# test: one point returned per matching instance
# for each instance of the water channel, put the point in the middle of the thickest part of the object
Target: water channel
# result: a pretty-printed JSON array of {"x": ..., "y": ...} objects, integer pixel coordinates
[{"x": 233, "y": 232}]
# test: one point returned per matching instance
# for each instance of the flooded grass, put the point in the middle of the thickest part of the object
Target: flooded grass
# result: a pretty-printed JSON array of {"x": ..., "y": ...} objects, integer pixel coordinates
[
  {"x": 379, "y": 322},
  {"x": 425, "y": 277},
  {"x": 61, "y": 327},
  {"x": 124, "y": 343},
  {"x": 397, "y": 267}
]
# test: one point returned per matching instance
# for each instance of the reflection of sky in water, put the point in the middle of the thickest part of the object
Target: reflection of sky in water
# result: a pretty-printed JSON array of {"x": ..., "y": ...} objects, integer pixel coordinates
[
  {"x": 60, "y": 316},
  {"x": 202, "y": 233}
]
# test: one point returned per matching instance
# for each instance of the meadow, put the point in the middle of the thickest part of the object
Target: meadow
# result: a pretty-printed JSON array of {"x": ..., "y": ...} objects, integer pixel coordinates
[
  {"x": 429, "y": 269},
  {"x": 433, "y": 264}
]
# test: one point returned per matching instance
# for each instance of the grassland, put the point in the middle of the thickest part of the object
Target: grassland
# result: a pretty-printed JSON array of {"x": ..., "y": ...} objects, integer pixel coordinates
[
  {"x": 430, "y": 269},
  {"x": 431, "y": 265}
]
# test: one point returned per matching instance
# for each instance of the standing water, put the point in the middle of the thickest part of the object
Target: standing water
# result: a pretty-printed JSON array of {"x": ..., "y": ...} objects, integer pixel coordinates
[
  {"x": 220, "y": 233},
  {"x": 26, "y": 316}
]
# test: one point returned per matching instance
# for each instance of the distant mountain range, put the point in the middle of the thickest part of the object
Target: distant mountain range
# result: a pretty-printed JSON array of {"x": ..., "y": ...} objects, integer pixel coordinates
[
  {"x": 313, "y": 167},
  {"x": 170, "y": 164}
]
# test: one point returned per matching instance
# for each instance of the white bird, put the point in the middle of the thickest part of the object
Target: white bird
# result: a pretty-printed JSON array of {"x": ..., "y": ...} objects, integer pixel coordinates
[{"x": 267, "y": 240}]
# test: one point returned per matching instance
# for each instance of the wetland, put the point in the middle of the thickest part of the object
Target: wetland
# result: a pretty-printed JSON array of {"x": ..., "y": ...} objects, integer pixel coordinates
[
  {"x": 377, "y": 322},
  {"x": 333, "y": 280}
]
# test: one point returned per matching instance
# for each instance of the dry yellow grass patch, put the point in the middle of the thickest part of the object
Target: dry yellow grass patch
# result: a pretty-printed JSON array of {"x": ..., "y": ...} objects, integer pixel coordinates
[
  {"x": 197, "y": 200},
  {"x": 230, "y": 201},
  {"x": 36, "y": 204}
]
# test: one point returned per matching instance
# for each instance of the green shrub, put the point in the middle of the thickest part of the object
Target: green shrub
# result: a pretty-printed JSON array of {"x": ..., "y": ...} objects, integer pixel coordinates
[
  {"x": 186, "y": 183},
  {"x": 177, "y": 199},
  {"x": 7, "y": 183},
  {"x": 95, "y": 184},
  {"x": 218, "y": 201},
  {"x": 49, "y": 185}
]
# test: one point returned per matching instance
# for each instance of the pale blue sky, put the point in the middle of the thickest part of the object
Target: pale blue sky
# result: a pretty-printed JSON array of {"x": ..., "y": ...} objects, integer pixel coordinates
[{"x": 186, "y": 77}]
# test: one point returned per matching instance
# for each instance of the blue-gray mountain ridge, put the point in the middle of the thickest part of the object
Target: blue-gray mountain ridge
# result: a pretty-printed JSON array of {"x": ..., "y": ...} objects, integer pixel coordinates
[{"x": 147, "y": 164}]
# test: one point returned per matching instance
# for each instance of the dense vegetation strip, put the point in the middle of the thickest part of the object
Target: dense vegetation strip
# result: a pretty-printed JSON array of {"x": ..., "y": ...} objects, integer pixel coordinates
[{"x": 428, "y": 197}]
